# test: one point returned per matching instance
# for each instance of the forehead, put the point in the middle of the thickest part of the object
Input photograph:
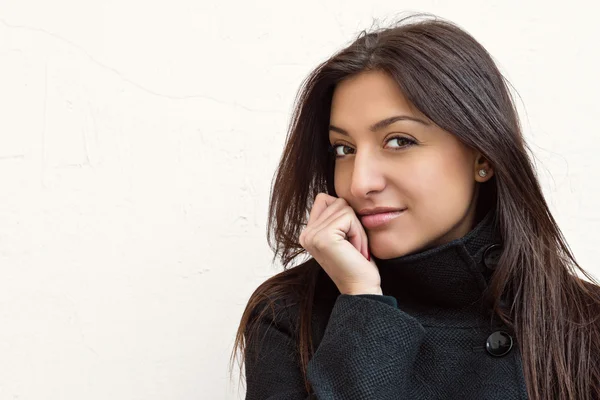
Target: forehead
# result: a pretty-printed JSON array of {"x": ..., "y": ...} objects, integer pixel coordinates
[{"x": 368, "y": 96}]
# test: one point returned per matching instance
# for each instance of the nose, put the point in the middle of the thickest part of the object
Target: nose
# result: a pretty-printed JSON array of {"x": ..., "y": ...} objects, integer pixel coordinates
[{"x": 367, "y": 175}]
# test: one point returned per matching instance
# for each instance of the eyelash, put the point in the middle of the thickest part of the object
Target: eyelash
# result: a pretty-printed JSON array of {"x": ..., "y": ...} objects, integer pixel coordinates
[{"x": 410, "y": 142}]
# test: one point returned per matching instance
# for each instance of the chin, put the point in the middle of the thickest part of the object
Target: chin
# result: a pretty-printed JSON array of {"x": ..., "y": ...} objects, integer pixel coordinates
[
  {"x": 386, "y": 251},
  {"x": 390, "y": 246}
]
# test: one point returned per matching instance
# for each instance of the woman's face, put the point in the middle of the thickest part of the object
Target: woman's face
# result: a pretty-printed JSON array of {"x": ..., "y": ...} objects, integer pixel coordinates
[{"x": 434, "y": 177}]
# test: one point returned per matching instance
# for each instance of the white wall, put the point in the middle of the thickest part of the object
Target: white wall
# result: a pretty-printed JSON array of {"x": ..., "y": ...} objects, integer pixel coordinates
[{"x": 137, "y": 145}]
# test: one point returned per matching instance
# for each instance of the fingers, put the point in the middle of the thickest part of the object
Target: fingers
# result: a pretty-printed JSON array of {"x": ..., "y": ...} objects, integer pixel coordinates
[
  {"x": 324, "y": 206},
  {"x": 333, "y": 236},
  {"x": 329, "y": 210},
  {"x": 357, "y": 229},
  {"x": 365, "y": 249},
  {"x": 322, "y": 203},
  {"x": 328, "y": 216},
  {"x": 347, "y": 223}
]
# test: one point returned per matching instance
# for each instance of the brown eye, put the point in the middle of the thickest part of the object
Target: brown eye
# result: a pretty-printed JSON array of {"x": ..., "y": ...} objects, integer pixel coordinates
[
  {"x": 404, "y": 143},
  {"x": 342, "y": 147},
  {"x": 401, "y": 139}
]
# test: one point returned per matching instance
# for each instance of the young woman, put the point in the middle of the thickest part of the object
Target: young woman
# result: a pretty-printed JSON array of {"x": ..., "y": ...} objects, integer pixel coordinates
[{"x": 437, "y": 269}]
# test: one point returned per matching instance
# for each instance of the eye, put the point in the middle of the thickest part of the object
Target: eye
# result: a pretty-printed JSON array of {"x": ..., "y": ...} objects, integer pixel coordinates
[
  {"x": 333, "y": 149},
  {"x": 400, "y": 139},
  {"x": 407, "y": 142}
]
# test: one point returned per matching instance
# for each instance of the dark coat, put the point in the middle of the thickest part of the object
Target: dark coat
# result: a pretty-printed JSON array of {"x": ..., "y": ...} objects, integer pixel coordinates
[{"x": 430, "y": 336}]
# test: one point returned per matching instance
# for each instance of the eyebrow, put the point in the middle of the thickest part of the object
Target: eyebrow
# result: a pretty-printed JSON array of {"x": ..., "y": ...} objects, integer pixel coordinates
[{"x": 382, "y": 124}]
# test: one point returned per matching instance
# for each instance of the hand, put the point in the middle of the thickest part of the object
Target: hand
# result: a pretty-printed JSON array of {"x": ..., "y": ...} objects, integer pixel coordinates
[{"x": 335, "y": 238}]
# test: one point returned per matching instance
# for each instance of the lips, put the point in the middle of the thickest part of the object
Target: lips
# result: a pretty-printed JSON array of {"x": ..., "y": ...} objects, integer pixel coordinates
[
  {"x": 380, "y": 219},
  {"x": 378, "y": 210}
]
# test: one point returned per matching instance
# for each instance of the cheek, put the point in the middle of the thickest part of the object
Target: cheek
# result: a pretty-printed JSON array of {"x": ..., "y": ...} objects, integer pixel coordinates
[
  {"x": 439, "y": 183},
  {"x": 341, "y": 181}
]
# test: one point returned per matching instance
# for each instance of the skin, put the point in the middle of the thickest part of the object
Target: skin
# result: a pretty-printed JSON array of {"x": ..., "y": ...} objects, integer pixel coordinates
[{"x": 436, "y": 178}]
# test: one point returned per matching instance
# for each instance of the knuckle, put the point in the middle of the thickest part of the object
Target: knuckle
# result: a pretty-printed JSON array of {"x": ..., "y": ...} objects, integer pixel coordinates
[
  {"x": 302, "y": 238},
  {"x": 318, "y": 242}
]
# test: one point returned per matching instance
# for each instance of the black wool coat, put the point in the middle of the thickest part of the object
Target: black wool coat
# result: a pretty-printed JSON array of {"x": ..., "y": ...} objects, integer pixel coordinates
[{"x": 429, "y": 336}]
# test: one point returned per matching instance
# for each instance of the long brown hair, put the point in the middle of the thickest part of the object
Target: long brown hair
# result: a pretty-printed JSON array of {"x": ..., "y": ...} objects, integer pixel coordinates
[{"x": 454, "y": 81}]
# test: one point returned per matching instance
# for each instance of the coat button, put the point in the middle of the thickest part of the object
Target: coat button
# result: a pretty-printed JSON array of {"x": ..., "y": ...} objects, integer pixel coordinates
[
  {"x": 491, "y": 255},
  {"x": 499, "y": 343}
]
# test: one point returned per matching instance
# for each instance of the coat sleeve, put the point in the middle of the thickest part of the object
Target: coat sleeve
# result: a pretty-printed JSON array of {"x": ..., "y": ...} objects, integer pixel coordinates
[{"x": 367, "y": 352}]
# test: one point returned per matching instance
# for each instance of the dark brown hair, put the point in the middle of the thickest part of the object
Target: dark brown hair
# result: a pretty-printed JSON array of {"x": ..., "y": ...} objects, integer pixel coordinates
[{"x": 446, "y": 74}]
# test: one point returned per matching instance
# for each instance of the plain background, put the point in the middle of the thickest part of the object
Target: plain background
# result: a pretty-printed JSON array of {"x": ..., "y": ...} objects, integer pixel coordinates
[{"x": 138, "y": 140}]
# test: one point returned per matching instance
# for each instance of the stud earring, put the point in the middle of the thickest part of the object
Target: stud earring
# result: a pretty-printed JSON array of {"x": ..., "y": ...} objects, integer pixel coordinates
[{"x": 482, "y": 173}]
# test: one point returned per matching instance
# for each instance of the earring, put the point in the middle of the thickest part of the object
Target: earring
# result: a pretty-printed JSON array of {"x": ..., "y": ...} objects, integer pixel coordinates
[{"x": 482, "y": 173}]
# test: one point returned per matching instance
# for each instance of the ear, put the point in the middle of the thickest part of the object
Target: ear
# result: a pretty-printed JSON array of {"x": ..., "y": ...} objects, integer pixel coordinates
[{"x": 481, "y": 163}]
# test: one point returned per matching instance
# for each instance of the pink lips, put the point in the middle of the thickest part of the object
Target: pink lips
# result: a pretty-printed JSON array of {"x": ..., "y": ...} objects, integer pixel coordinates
[{"x": 379, "y": 219}]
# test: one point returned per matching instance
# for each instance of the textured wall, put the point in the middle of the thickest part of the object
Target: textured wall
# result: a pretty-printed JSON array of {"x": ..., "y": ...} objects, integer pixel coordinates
[{"x": 137, "y": 145}]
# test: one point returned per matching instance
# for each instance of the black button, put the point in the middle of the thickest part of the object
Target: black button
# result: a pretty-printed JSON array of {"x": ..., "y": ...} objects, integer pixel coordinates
[
  {"x": 491, "y": 255},
  {"x": 499, "y": 343}
]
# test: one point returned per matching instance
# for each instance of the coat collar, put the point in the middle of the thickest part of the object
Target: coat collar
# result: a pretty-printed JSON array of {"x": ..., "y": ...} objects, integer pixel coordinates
[{"x": 454, "y": 275}]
